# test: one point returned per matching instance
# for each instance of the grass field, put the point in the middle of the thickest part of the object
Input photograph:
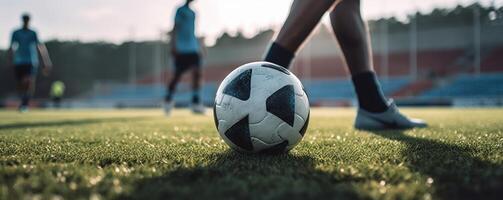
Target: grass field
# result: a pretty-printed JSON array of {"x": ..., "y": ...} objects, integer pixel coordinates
[{"x": 139, "y": 154}]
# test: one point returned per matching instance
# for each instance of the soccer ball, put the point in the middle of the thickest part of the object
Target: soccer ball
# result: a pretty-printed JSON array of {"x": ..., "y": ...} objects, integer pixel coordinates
[{"x": 261, "y": 107}]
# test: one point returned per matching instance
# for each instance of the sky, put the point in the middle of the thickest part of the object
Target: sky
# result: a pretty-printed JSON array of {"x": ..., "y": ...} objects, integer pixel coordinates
[{"x": 122, "y": 20}]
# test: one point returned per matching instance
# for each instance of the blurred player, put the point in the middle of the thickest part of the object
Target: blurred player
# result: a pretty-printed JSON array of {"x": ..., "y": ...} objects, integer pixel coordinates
[
  {"x": 374, "y": 111},
  {"x": 57, "y": 92},
  {"x": 186, "y": 51},
  {"x": 24, "y": 52}
]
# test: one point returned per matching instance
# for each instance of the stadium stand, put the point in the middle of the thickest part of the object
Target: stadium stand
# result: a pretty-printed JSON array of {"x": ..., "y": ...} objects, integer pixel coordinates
[
  {"x": 342, "y": 89},
  {"x": 318, "y": 91},
  {"x": 469, "y": 86},
  {"x": 493, "y": 62},
  {"x": 413, "y": 88},
  {"x": 153, "y": 93}
]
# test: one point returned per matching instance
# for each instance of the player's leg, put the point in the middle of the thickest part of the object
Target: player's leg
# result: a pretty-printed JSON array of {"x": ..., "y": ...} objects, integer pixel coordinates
[
  {"x": 28, "y": 87},
  {"x": 196, "y": 85},
  {"x": 24, "y": 76},
  {"x": 18, "y": 74},
  {"x": 352, "y": 35},
  {"x": 197, "y": 106},
  {"x": 172, "y": 86},
  {"x": 171, "y": 89},
  {"x": 25, "y": 92},
  {"x": 181, "y": 66},
  {"x": 374, "y": 112},
  {"x": 303, "y": 18}
]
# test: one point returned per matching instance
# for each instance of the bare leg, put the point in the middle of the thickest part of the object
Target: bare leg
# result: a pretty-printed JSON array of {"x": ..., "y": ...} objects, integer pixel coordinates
[
  {"x": 352, "y": 35},
  {"x": 196, "y": 84},
  {"x": 303, "y": 17}
]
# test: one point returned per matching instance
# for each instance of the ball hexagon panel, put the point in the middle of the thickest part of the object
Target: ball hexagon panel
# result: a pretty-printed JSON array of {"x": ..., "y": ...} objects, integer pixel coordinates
[
  {"x": 240, "y": 86},
  {"x": 239, "y": 134},
  {"x": 282, "y": 104}
]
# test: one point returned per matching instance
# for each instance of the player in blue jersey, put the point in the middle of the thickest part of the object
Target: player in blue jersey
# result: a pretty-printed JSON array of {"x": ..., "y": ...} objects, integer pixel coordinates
[
  {"x": 374, "y": 110},
  {"x": 186, "y": 51},
  {"x": 23, "y": 54}
]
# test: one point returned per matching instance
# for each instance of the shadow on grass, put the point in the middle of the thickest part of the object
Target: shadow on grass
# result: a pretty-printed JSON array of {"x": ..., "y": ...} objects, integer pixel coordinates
[
  {"x": 231, "y": 175},
  {"x": 456, "y": 172},
  {"x": 75, "y": 122}
]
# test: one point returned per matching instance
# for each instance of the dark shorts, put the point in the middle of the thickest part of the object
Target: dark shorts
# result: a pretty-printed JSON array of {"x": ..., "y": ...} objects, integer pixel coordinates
[
  {"x": 186, "y": 61},
  {"x": 22, "y": 71}
]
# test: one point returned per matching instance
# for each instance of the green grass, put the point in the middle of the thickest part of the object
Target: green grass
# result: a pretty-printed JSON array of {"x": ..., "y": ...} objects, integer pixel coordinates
[{"x": 139, "y": 154}]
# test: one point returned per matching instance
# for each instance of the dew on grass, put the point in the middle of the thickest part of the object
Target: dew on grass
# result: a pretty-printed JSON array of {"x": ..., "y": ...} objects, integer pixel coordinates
[
  {"x": 95, "y": 180},
  {"x": 382, "y": 183},
  {"x": 116, "y": 181},
  {"x": 73, "y": 186},
  {"x": 95, "y": 196},
  {"x": 427, "y": 196}
]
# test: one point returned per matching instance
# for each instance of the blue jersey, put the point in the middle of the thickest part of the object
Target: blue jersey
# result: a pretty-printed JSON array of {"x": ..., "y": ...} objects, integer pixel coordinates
[
  {"x": 24, "y": 44},
  {"x": 186, "y": 40}
]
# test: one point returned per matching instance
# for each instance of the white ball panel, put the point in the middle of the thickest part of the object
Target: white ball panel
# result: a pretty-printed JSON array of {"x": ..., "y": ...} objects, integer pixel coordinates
[
  {"x": 289, "y": 133},
  {"x": 266, "y": 81},
  {"x": 259, "y": 145},
  {"x": 229, "y": 110},
  {"x": 302, "y": 106},
  {"x": 299, "y": 122},
  {"x": 266, "y": 130}
]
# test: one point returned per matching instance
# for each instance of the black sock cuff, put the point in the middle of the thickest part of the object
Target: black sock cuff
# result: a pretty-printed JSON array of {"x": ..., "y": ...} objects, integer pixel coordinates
[
  {"x": 369, "y": 92},
  {"x": 279, "y": 55}
]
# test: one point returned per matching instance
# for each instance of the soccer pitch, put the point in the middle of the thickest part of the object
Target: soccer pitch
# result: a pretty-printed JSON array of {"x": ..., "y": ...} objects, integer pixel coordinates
[{"x": 140, "y": 154}]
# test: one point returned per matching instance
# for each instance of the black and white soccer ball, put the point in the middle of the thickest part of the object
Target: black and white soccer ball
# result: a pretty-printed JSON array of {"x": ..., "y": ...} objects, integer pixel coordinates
[{"x": 261, "y": 107}]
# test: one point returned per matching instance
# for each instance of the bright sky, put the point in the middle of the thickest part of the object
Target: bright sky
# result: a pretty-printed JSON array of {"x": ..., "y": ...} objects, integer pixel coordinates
[{"x": 120, "y": 20}]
